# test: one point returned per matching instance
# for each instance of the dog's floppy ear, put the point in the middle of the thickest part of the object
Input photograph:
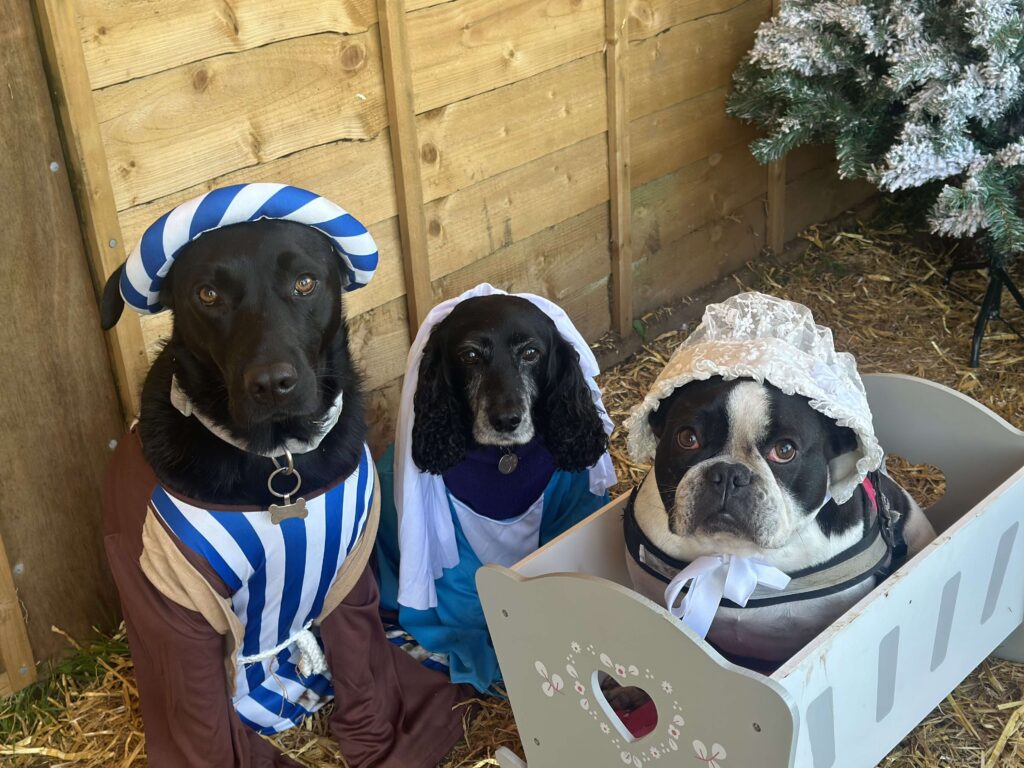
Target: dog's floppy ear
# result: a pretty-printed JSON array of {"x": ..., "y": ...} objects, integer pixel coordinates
[
  {"x": 438, "y": 428},
  {"x": 570, "y": 424},
  {"x": 111, "y": 305},
  {"x": 840, "y": 439}
]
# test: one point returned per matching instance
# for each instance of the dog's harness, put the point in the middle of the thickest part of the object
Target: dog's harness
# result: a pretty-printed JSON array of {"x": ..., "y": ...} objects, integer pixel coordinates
[{"x": 877, "y": 555}]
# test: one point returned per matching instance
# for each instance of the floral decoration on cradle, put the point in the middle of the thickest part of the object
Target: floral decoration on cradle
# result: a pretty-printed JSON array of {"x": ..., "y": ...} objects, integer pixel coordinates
[{"x": 553, "y": 685}]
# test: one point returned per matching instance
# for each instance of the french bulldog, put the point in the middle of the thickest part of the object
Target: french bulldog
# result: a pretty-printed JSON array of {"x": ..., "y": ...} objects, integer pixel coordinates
[{"x": 742, "y": 468}]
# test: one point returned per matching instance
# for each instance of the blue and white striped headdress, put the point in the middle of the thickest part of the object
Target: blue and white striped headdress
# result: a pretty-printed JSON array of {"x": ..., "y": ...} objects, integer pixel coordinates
[{"x": 153, "y": 257}]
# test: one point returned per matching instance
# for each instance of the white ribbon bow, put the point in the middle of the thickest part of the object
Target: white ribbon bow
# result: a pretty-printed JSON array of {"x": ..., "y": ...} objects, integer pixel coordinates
[{"x": 715, "y": 577}]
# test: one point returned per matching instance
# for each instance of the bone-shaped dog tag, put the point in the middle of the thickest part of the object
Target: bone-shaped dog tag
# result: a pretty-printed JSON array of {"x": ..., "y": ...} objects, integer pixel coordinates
[{"x": 290, "y": 509}]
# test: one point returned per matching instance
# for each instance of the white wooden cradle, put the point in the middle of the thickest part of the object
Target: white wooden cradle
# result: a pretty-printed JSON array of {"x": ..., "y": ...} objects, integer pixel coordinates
[{"x": 565, "y": 613}]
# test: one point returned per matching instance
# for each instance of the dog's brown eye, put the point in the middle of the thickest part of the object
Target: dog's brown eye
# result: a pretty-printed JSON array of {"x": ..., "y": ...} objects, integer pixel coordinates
[
  {"x": 531, "y": 354},
  {"x": 687, "y": 439},
  {"x": 208, "y": 296},
  {"x": 782, "y": 452},
  {"x": 305, "y": 285},
  {"x": 469, "y": 356}
]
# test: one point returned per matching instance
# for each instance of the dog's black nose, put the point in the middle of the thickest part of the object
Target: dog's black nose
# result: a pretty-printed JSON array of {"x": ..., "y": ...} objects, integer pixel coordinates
[
  {"x": 730, "y": 475},
  {"x": 506, "y": 422},
  {"x": 270, "y": 383}
]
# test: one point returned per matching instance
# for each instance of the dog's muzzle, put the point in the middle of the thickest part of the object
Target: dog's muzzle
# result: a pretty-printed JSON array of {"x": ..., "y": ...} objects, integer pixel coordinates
[
  {"x": 723, "y": 497},
  {"x": 506, "y": 425}
]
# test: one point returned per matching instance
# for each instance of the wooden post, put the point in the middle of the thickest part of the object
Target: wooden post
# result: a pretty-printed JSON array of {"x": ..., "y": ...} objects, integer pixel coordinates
[
  {"x": 775, "y": 227},
  {"x": 19, "y": 667},
  {"x": 94, "y": 196},
  {"x": 405, "y": 153},
  {"x": 619, "y": 186}
]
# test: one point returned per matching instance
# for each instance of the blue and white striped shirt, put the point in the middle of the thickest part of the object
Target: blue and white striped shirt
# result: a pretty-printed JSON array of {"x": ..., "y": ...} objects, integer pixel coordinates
[{"x": 278, "y": 576}]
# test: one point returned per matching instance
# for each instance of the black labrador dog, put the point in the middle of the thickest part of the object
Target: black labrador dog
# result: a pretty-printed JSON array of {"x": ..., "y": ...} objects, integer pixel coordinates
[
  {"x": 497, "y": 372},
  {"x": 260, "y": 350},
  {"x": 260, "y": 345}
]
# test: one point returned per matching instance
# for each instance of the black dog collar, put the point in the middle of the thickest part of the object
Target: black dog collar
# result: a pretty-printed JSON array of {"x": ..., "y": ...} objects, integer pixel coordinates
[{"x": 878, "y": 554}]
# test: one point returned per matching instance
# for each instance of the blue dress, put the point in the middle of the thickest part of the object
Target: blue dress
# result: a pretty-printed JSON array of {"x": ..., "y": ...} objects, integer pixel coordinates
[{"x": 456, "y": 626}]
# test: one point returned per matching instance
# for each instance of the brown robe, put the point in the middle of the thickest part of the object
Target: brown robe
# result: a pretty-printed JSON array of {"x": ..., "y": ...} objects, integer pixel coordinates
[{"x": 390, "y": 710}]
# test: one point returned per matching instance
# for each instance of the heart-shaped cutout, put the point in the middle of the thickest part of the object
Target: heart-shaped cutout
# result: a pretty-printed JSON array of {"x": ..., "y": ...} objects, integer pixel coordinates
[{"x": 629, "y": 708}]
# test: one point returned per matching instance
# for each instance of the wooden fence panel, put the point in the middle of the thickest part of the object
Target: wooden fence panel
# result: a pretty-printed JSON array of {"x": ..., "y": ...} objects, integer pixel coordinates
[
  {"x": 123, "y": 41},
  {"x": 477, "y": 138},
  {"x": 648, "y": 18},
  {"x": 701, "y": 193},
  {"x": 692, "y": 58},
  {"x": 464, "y": 47},
  {"x": 469, "y": 224},
  {"x": 192, "y": 123},
  {"x": 700, "y": 257}
]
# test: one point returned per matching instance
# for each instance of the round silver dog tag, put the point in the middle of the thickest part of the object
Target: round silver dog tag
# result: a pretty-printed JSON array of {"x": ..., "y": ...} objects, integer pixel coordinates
[{"x": 507, "y": 464}]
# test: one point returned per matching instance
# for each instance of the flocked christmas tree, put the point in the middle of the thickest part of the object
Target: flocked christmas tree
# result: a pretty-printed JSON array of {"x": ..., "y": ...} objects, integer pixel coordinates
[{"x": 912, "y": 93}]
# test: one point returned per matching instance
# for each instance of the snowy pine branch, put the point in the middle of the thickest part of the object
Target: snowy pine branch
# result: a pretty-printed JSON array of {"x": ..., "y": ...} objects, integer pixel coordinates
[{"x": 909, "y": 92}]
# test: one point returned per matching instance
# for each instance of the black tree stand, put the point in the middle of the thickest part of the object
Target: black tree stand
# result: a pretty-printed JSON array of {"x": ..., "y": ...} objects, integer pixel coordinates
[{"x": 990, "y": 305}]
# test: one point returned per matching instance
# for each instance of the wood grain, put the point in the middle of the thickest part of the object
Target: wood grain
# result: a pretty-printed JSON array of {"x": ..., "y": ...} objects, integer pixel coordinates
[
  {"x": 123, "y": 41},
  {"x": 86, "y": 155},
  {"x": 465, "y": 47},
  {"x": 470, "y": 141},
  {"x": 16, "y": 657},
  {"x": 381, "y": 415},
  {"x": 379, "y": 340},
  {"x": 808, "y": 158},
  {"x": 708, "y": 190},
  {"x": 405, "y": 153},
  {"x": 589, "y": 310},
  {"x": 665, "y": 141},
  {"x": 677, "y": 269},
  {"x": 692, "y": 58},
  {"x": 182, "y": 127},
  {"x": 619, "y": 187},
  {"x": 58, "y": 404},
  {"x": 587, "y": 305},
  {"x": 648, "y": 18},
  {"x": 511, "y": 206},
  {"x": 556, "y": 262},
  {"x": 416, "y": 5},
  {"x": 819, "y": 195},
  {"x": 388, "y": 283}
]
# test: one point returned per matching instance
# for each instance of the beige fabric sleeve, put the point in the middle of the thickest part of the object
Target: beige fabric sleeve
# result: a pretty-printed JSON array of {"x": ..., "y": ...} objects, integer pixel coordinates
[{"x": 167, "y": 569}]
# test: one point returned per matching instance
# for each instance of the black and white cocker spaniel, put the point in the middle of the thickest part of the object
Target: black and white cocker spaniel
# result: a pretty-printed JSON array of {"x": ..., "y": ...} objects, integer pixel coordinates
[{"x": 496, "y": 372}]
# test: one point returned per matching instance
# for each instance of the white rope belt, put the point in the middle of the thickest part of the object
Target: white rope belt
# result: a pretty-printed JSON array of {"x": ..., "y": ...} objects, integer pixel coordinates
[
  {"x": 715, "y": 577},
  {"x": 311, "y": 658}
]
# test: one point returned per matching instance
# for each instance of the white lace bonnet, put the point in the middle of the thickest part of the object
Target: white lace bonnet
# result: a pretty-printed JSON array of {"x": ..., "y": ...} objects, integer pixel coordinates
[{"x": 752, "y": 335}]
